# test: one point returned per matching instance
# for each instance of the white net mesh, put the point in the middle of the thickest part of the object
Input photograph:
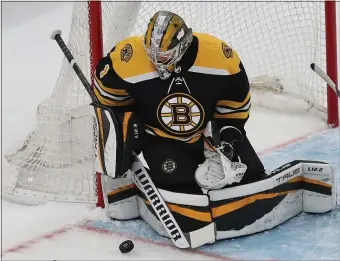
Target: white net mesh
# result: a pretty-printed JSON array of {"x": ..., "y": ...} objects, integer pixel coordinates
[
  {"x": 56, "y": 160},
  {"x": 277, "y": 41}
]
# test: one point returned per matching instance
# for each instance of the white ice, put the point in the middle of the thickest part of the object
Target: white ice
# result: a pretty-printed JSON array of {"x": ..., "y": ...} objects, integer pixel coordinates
[{"x": 30, "y": 66}]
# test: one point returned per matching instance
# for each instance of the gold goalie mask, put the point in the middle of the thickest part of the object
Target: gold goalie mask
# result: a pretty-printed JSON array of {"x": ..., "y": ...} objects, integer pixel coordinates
[{"x": 166, "y": 40}]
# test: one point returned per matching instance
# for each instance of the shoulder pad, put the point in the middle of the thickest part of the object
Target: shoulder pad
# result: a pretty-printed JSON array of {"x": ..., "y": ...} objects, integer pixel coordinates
[
  {"x": 129, "y": 58},
  {"x": 214, "y": 53}
]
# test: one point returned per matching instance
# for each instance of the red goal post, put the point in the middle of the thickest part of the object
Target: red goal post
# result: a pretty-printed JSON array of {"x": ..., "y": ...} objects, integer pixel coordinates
[{"x": 332, "y": 68}]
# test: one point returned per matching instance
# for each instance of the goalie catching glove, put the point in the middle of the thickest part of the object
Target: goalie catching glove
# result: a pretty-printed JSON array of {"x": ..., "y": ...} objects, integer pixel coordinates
[{"x": 218, "y": 170}]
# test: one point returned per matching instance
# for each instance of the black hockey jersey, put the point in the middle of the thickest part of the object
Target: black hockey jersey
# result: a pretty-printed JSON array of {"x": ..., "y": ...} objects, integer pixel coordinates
[{"x": 209, "y": 83}]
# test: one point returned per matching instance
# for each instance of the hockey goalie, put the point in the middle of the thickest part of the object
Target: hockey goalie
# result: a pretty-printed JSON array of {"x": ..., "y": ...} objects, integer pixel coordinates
[{"x": 181, "y": 100}]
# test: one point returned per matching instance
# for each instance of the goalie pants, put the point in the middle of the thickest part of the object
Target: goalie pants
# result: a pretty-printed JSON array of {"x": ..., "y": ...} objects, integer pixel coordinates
[{"x": 172, "y": 164}]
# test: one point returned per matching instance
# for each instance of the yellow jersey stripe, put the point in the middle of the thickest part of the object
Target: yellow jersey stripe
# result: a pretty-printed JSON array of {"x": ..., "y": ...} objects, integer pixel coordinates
[
  {"x": 111, "y": 90},
  {"x": 163, "y": 134},
  {"x": 234, "y": 104},
  {"x": 127, "y": 116},
  {"x": 110, "y": 102},
  {"x": 237, "y": 115}
]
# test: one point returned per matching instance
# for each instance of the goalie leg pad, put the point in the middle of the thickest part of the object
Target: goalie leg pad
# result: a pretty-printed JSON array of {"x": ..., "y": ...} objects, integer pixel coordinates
[
  {"x": 251, "y": 208},
  {"x": 262, "y": 205},
  {"x": 317, "y": 183},
  {"x": 117, "y": 135},
  {"x": 319, "y": 187},
  {"x": 120, "y": 197},
  {"x": 192, "y": 213}
]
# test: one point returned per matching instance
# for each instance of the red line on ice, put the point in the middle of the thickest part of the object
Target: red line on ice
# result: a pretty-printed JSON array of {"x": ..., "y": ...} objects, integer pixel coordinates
[
  {"x": 149, "y": 241},
  {"x": 284, "y": 144},
  {"x": 30, "y": 243}
]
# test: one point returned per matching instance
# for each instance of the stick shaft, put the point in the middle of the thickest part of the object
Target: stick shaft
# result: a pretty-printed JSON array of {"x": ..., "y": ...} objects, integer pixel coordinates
[
  {"x": 57, "y": 37},
  {"x": 325, "y": 77}
]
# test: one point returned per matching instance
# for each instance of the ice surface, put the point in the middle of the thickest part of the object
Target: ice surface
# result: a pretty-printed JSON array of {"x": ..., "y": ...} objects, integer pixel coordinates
[{"x": 305, "y": 237}]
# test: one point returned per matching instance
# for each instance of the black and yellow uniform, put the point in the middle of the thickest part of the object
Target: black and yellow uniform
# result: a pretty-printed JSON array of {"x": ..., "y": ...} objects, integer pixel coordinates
[{"x": 209, "y": 83}]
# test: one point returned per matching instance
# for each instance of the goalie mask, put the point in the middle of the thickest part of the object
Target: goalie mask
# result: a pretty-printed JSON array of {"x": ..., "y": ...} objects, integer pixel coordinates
[{"x": 166, "y": 40}]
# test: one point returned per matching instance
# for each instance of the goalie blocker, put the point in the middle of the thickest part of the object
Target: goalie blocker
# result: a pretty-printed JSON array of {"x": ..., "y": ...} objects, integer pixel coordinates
[{"x": 117, "y": 135}]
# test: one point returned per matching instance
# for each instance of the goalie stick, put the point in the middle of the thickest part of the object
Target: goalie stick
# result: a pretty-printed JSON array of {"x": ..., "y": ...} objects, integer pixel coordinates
[
  {"x": 326, "y": 78},
  {"x": 143, "y": 181},
  {"x": 178, "y": 239},
  {"x": 56, "y": 35}
]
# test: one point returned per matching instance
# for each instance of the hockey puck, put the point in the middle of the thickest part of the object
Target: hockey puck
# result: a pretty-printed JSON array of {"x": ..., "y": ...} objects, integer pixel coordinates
[{"x": 126, "y": 246}]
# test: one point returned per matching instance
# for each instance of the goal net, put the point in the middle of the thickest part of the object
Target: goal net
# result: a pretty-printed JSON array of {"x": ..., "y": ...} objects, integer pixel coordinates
[{"x": 277, "y": 41}]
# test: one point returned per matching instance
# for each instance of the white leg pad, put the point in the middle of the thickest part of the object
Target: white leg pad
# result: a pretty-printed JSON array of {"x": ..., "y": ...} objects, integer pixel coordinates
[
  {"x": 288, "y": 208},
  {"x": 119, "y": 197},
  {"x": 150, "y": 218},
  {"x": 319, "y": 175},
  {"x": 298, "y": 186},
  {"x": 199, "y": 237}
]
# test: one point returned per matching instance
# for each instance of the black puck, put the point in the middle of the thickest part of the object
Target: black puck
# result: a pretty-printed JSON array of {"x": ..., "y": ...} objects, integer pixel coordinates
[{"x": 126, "y": 246}]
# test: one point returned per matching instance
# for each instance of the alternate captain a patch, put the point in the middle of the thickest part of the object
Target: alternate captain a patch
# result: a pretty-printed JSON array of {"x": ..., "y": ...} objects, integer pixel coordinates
[
  {"x": 126, "y": 53},
  {"x": 228, "y": 52}
]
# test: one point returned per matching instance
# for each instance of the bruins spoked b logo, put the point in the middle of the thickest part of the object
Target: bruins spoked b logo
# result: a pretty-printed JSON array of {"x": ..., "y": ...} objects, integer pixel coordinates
[
  {"x": 228, "y": 52},
  {"x": 126, "y": 53},
  {"x": 179, "y": 113},
  {"x": 169, "y": 166}
]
